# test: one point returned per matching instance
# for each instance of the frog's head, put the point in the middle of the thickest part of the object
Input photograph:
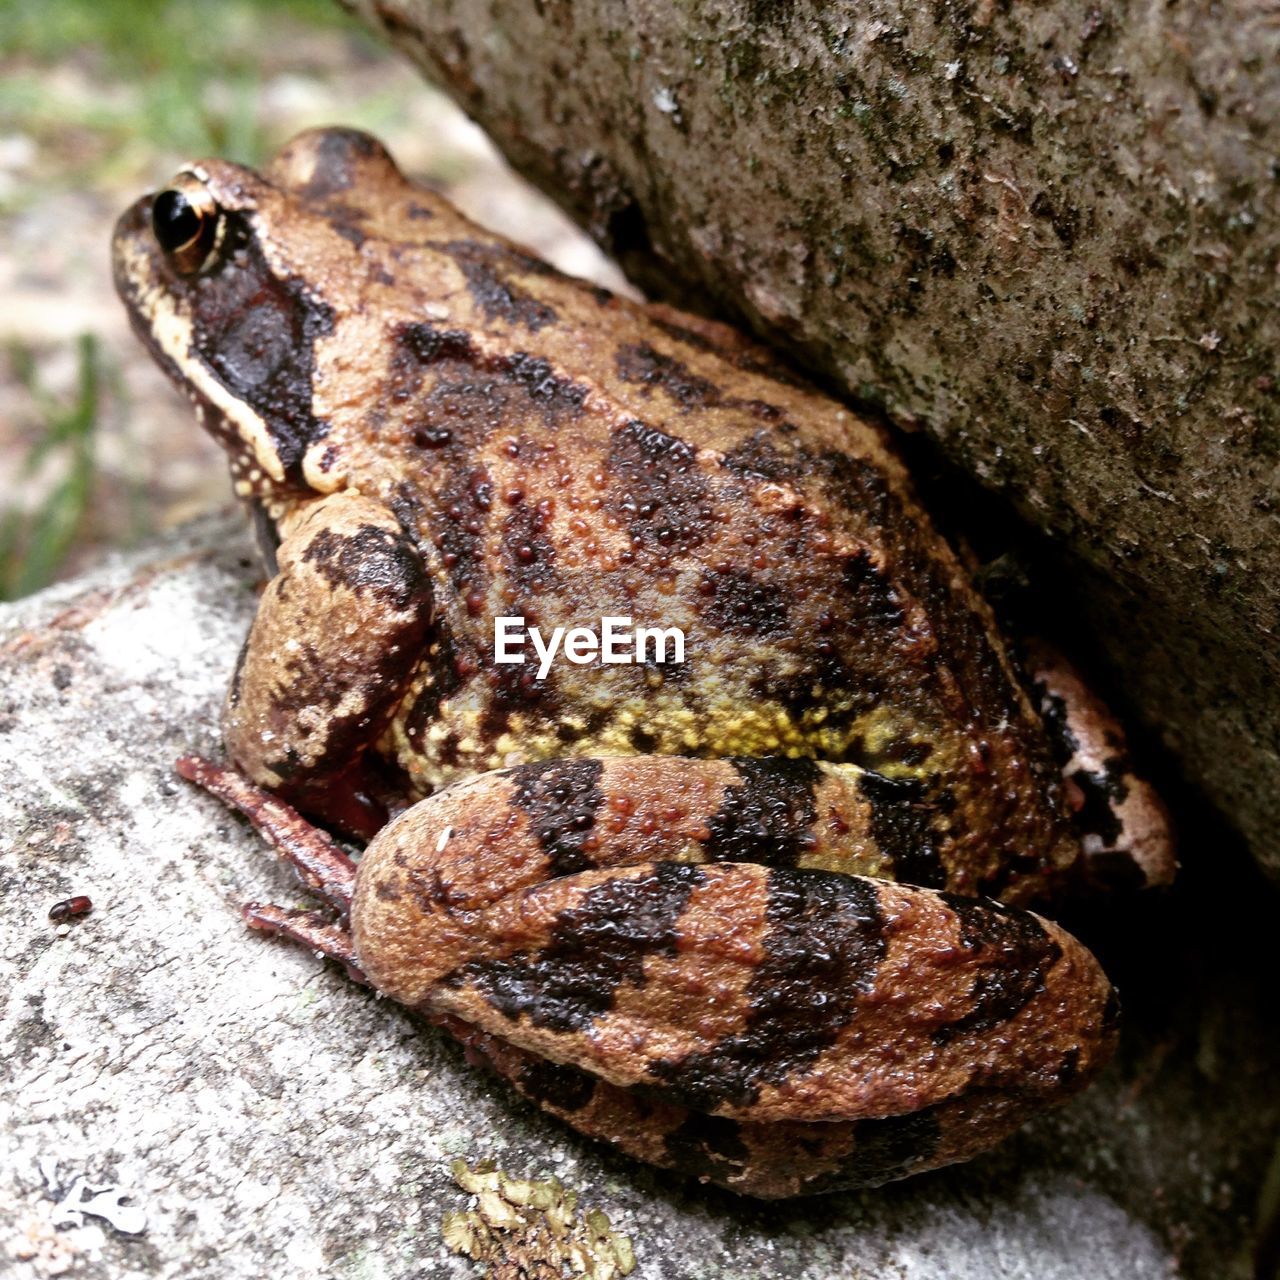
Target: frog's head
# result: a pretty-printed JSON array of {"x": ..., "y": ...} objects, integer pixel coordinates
[{"x": 251, "y": 291}]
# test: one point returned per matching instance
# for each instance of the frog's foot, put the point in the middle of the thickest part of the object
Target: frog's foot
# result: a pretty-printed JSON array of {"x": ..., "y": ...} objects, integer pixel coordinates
[
  {"x": 1123, "y": 824},
  {"x": 320, "y": 863},
  {"x": 337, "y": 636}
]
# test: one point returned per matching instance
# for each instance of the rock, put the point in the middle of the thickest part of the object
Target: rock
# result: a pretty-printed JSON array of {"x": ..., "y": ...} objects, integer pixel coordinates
[
  {"x": 254, "y": 1111},
  {"x": 1045, "y": 234}
]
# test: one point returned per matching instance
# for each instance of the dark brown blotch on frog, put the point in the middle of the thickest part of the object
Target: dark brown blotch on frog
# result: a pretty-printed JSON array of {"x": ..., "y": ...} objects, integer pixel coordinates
[
  {"x": 259, "y": 332},
  {"x": 904, "y": 818},
  {"x": 768, "y": 815},
  {"x": 659, "y": 489},
  {"x": 561, "y": 799},
  {"x": 370, "y": 559},
  {"x": 640, "y": 363},
  {"x": 593, "y": 948},
  {"x": 335, "y": 164},
  {"x": 823, "y": 943},
  {"x": 1000, "y": 994},
  {"x": 556, "y": 1085},
  {"x": 485, "y": 268}
]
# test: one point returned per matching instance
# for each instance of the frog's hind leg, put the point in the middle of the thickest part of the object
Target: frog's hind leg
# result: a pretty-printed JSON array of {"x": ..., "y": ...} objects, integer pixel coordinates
[
  {"x": 336, "y": 639},
  {"x": 705, "y": 933},
  {"x": 555, "y": 817},
  {"x": 769, "y": 1159}
]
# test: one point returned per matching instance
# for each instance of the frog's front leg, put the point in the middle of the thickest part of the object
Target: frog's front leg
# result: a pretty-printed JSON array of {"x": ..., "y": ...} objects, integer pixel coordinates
[{"x": 337, "y": 634}]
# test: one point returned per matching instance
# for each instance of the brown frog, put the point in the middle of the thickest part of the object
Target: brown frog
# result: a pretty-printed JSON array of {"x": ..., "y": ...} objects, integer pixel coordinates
[{"x": 758, "y": 914}]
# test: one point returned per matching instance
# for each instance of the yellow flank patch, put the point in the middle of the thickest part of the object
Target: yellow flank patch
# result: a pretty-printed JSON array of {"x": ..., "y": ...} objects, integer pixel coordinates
[
  {"x": 458, "y": 743},
  {"x": 884, "y": 731}
]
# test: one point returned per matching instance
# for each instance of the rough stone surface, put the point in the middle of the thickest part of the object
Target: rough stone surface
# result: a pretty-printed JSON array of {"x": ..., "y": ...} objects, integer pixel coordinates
[
  {"x": 269, "y": 1117},
  {"x": 1046, "y": 234}
]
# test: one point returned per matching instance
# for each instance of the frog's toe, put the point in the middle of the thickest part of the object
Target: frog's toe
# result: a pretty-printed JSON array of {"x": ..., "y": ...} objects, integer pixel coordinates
[
  {"x": 1122, "y": 823},
  {"x": 313, "y": 929}
]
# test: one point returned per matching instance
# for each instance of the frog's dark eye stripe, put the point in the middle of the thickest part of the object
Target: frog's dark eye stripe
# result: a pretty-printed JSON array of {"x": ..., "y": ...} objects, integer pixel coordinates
[{"x": 185, "y": 224}]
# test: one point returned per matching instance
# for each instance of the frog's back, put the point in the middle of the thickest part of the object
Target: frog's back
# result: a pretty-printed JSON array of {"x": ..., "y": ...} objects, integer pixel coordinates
[{"x": 565, "y": 455}]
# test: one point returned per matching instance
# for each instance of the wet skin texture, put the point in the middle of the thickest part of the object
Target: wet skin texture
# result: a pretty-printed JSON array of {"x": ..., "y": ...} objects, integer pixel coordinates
[{"x": 659, "y": 899}]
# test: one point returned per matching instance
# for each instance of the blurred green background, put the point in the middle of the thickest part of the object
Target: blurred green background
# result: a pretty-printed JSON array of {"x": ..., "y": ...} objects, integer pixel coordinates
[{"x": 102, "y": 99}]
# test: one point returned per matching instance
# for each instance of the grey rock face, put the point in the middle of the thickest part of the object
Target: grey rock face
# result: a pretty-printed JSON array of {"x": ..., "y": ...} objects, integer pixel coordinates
[
  {"x": 258, "y": 1114},
  {"x": 1046, "y": 234}
]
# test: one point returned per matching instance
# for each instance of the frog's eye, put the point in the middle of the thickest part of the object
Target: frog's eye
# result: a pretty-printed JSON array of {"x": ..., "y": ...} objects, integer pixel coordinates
[{"x": 185, "y": 223}]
